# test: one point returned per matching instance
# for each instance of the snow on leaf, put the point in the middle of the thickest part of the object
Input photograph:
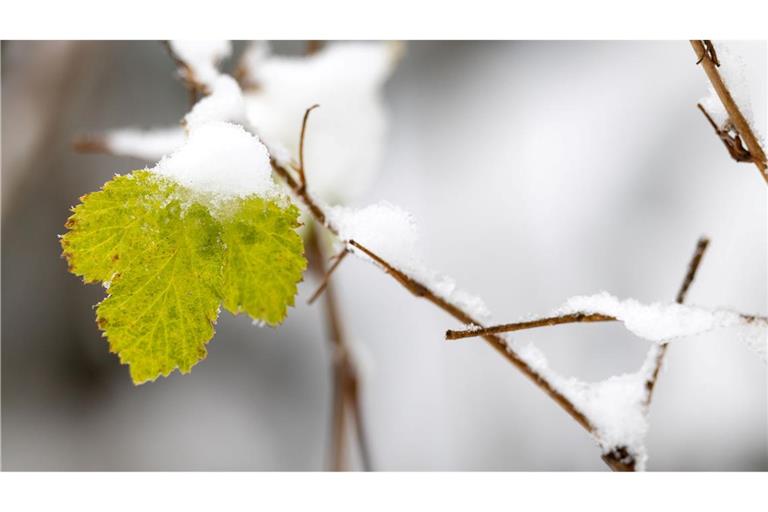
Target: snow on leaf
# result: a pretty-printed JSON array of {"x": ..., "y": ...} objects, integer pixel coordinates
[
  {"x": 222, "y": 160},
  {"x": 168, "y": 262},
  {"x": 224, "y": 103}
]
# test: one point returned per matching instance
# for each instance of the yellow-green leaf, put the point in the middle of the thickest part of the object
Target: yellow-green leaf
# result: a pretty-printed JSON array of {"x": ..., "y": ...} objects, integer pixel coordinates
[{"x": 169, "y": 263}]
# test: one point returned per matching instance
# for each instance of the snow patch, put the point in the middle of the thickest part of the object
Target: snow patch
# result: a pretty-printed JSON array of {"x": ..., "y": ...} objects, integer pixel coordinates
[
  {"x": 616, "y": 407},
  {"x": 151, "y": 145},
  {"x": 225, "y": 103},
  {"x": 202, "y": 57},
  {"x": 656, "y": 322},
  {"x": 391, "y": 233},
  {"x": 222, "y": 160}
]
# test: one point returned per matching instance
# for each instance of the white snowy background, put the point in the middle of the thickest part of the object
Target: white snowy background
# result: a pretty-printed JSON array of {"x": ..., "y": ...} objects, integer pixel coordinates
[{"x": 536, "y": 171}]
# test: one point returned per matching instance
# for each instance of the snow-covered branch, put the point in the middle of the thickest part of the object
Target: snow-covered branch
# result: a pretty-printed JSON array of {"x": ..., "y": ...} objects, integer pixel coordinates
[
  {"x": 655, "y": 322},
  {"x": 731, "y": 112}
]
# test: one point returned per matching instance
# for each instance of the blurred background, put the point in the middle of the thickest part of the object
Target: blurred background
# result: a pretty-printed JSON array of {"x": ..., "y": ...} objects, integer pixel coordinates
[{"x": 536, "y": 171}]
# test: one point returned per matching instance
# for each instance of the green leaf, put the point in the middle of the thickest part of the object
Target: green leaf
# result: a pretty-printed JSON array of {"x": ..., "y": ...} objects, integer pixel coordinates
[
  {"x": 260, "y": 262},
  {"x": 169, "y": 263}
]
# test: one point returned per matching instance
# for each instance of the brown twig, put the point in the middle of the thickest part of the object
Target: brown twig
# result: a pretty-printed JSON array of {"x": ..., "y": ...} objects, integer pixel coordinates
[
  {"x": 530, "y": 324},
  {"x": 693, "y": 267},
  {"x": 583, "y": 317},
  {"x": 420, "y": 290},
  {"x": 616, "y": 461},
  {"x": 302, "y": 175},
  {"x": 345, "y": 396},
  {"x": 313, "y": 46},
  {"x": 570, "y": 318},
  {"x": 91, "y": 144},
  {"x": 194, "y": 88},
  {"x": 324, "y": 283},
  {"x": 620, "y": 459},
  {"x": 708, "y": 60},
  {"x": 732, "y": 143}
]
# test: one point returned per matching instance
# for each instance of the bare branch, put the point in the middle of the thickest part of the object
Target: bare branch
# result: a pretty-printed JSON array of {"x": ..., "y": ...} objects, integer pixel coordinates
[
  {"x": 693, "y": 267},
  {"x": 732, "y": 143},
  {"x": 324, "y": 283},
  {"x": 313, "y": 46},
  {"x": 194, "y": 88},
  {"x": 302, "y": 175},
  {"x": 95, "y": 144},
  {"x": 620, "y": 459},
  {"x": 530, "y": 324},
  {"x": 345, "y": 395},
  {"x": 423, "y": 291},
  {"x": 708, "y": 60}
]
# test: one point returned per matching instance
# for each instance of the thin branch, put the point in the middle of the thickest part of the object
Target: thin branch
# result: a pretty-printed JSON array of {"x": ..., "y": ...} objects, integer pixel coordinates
[
  {"x": 345, "y": 396},
  {"x": 693, "y": 267},
  {"x": 313, "y": 46},
  {"x": 732, "y": 143},
  {"x": 530, "y": 324},
  {"x": 194, "y": 88},
  {"x": 620, "y": 459},
  {"x": 708, "y": 60},
  {"x": 96, "y": 144},
  {"x": 345, "y": 376},
  {"x": 497, "y": 342},
  {"x": 302, "y": 175},
  {"x": 570, "y": 318},
  {"x": 420, "y": 290},
  {"x": 324, "y": 283},
  {"x": 709, "y": 51}
]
